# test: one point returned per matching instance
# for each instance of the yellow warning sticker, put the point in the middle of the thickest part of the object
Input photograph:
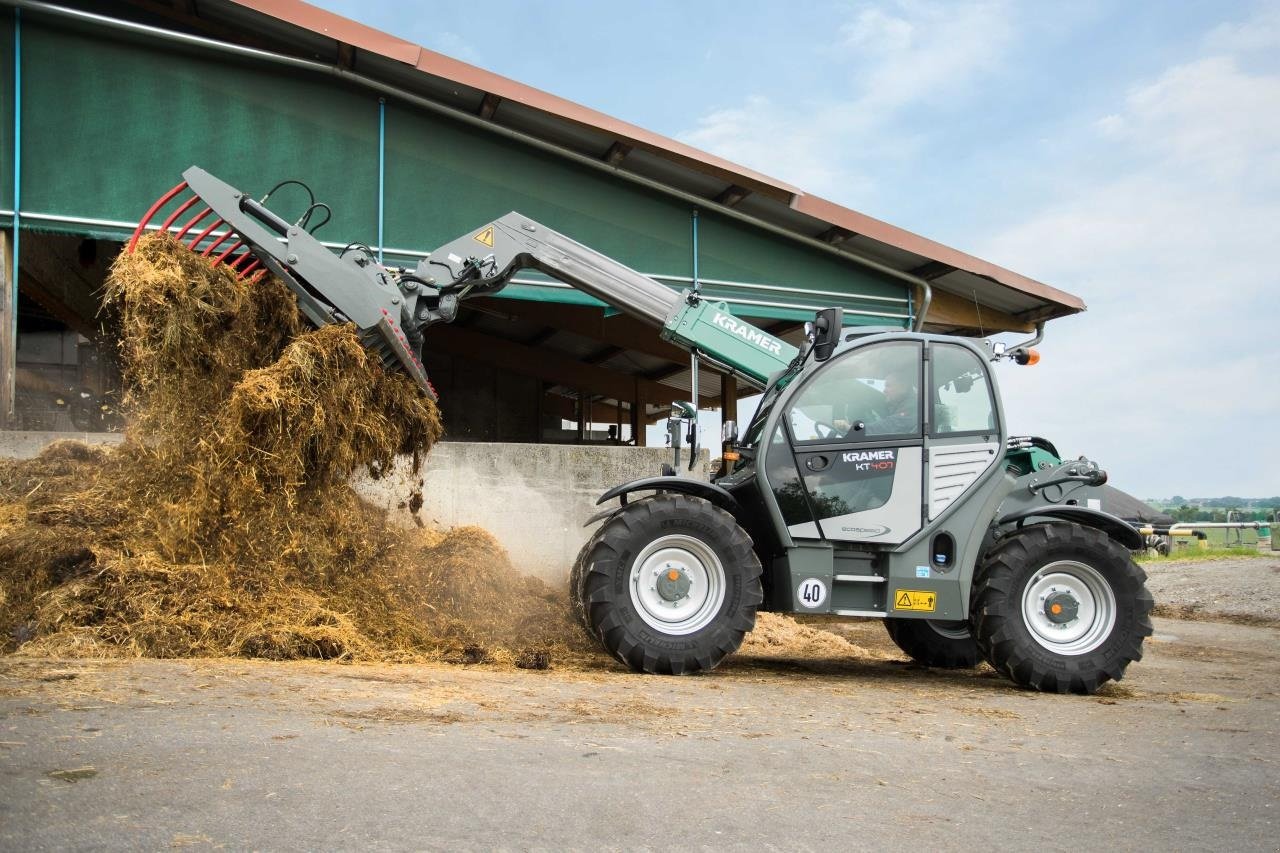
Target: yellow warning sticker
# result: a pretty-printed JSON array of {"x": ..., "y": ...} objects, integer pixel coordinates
[
  {"x": 486, "y": 237},
  {"x": 914, "y": 599}
]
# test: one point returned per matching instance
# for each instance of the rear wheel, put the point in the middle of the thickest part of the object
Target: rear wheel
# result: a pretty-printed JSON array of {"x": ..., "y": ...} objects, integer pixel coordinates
[
  {"x": 670, "y": 584},
  {"x": 934, "y": 642},
  {"x": 1060, "y": 608}
]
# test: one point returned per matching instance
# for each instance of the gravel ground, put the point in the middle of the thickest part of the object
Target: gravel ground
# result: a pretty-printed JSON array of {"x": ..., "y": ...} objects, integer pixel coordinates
[{"x": 1237, "y": 590}]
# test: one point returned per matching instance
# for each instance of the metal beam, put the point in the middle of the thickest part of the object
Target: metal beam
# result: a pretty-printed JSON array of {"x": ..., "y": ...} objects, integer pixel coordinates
[
  {"x": 617, "y": 152},
  {"x": 732, "y": 195},
  {"x": 932, "y": 270},
  {"x": 489, "y": 106},
  {"x": 835, "y": 235}
]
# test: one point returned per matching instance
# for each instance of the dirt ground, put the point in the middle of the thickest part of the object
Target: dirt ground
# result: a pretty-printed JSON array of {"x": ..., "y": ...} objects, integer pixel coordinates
[
  {"x": 1246, "y": 589},
  {"x": 814, "y": 746}
]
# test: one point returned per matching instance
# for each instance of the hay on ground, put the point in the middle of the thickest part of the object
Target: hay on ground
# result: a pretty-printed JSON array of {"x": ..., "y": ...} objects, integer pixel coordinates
[{"x": 224, "y": 524}]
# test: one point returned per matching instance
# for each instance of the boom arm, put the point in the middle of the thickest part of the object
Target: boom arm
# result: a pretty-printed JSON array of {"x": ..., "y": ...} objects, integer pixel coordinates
[
  {"x": 484, "y": 261},
  {"x": 392, "y": 308}
]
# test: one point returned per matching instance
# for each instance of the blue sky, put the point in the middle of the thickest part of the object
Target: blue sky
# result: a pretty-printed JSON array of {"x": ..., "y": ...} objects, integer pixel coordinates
[{"x": 1126, "y": 152}]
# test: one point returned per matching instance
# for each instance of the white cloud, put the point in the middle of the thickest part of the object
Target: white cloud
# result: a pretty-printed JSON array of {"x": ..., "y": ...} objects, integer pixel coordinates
[
  {"x": 1170, "y": 380},
  {"x": 890, "y": 58},
  {"x": 1260, "y": 33},
  {"x": 925, "y": 51}
]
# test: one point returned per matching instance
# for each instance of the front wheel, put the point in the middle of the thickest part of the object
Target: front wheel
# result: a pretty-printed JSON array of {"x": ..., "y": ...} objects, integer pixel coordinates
[
  {"x": 1060, "y": 608},
  {"x": 670, "y": 585}
]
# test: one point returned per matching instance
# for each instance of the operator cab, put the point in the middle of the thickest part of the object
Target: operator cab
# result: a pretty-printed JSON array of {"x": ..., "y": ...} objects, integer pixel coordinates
[{"x": 874, "y": 443}]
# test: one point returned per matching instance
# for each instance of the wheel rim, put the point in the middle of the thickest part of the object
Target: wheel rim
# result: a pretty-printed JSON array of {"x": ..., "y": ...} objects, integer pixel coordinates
[
  {"x": 1069, "y": 608},
  {"x": 683, "y": 603},
  {"x": 950, "y": 630}
]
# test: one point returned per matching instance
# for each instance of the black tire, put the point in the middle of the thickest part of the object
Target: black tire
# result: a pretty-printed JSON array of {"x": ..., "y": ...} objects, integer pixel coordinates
[
  {"x": 577, "y": 583},
  {"x": 947, "y": 645},
  {"x": 698, "y": 542},
  {"x": 1015, "y": 588}
]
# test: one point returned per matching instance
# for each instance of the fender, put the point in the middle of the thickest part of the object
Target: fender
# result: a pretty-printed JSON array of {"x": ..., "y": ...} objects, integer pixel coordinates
[
  {"x": 1116, "y": 528},
  {"x": 708, "y": 491}
]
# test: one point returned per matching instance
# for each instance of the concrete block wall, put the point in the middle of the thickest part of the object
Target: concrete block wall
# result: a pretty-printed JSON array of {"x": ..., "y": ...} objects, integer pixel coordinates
[{"x": 533, "y": 497}]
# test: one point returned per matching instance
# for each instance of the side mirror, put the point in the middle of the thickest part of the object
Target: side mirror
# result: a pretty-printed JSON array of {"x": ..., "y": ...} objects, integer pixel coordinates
[{"x": 827, "y": 324}]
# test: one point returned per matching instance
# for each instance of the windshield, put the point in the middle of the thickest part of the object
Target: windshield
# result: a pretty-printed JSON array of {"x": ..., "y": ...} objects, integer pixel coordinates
[{"x": 751, "y": 436}]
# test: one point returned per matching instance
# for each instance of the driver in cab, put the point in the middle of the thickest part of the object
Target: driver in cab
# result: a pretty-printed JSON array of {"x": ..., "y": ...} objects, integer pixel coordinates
[{"x": 897, "y": 411}]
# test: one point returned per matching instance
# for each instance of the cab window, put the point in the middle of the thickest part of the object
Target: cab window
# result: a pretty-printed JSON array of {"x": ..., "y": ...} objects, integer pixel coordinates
[
  {"x": 960, "y": 392},
  {"x": 870, "y": 393},
  {"x": 788, "y": 488}
]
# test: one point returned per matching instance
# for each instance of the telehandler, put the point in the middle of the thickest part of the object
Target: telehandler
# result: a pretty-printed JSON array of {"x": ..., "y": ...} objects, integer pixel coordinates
[{"x": 876, "y": 479}]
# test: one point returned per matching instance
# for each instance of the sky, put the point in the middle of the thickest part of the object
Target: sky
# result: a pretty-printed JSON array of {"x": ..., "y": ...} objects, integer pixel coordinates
[{"x": 1127, "y": 152}]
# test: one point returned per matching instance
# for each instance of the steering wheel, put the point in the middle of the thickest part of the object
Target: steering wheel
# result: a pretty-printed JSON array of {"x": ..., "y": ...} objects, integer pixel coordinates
[{"x": 826, "y": 430}]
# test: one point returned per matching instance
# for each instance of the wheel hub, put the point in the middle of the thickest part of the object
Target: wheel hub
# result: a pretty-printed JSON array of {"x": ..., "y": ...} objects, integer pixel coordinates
[
  {"x": 677, "y": 584},
  {"x": 1061, "y": 608},
  {"x": 1068, "y": 607},
  {"x": 673, "y": 582}
]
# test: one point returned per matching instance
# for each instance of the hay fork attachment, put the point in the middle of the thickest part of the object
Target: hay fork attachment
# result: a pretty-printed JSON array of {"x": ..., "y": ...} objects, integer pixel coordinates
[{"x": 232, "y": 228}]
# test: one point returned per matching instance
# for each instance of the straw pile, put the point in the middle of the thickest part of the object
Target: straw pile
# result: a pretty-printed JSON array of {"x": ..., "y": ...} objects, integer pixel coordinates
[{"x": 224, "y": 525}]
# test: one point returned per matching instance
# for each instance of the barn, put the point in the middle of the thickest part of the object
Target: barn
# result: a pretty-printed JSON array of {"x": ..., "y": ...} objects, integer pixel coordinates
[{"x": 104, "y": 105}]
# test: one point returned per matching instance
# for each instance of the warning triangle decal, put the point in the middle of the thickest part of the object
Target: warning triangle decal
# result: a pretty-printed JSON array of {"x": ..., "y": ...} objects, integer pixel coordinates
[
  {"x": 904, "y": 600},
  {"x": 486, "y": 237}
]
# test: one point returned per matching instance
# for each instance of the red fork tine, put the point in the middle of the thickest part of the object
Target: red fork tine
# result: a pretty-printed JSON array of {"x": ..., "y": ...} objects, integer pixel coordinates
[
  {"x": 201, "y": 215},
  {"x": 253, "y": 266},
  {"x": 205, "y": 233},
  {"x": 228, "y": 252},
  {"x": 209, "y": 251},
  {"x": 160, "y": 202},
  {"x": 183, "y": 208},
  {"x": 247, "y": 256}
]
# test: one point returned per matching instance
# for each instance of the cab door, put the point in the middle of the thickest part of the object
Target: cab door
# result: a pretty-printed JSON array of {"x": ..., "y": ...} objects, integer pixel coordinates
[{"x": 855, "y": 440}]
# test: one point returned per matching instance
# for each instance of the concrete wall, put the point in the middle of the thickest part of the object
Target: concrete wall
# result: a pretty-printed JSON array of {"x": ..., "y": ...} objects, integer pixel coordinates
[{"x": 533, "y": 497}]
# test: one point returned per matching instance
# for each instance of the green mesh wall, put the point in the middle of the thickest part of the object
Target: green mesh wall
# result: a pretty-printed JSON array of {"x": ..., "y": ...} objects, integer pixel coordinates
[{"x": 110, "y": 123}]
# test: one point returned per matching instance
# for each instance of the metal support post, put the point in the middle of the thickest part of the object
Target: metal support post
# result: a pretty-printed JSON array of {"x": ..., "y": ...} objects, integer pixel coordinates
[{"x": 8, "y": 336}]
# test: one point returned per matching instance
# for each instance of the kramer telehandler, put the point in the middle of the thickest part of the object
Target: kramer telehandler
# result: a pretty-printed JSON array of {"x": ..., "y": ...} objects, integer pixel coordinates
[{"x": 876, "y": 479}]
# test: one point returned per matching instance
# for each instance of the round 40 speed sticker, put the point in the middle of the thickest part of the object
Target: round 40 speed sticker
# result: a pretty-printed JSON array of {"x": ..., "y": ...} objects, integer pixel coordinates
[{"x": 811, "y": 593}]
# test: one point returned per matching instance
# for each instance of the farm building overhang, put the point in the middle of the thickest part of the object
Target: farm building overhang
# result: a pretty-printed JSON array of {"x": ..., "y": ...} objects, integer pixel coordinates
[{"x": 103, "y": 111}]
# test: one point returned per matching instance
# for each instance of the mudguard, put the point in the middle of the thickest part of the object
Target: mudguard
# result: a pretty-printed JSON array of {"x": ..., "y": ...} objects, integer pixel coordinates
[
  {"x": 1116, "y": 528},
  {"x": 709, "y": 491}
]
